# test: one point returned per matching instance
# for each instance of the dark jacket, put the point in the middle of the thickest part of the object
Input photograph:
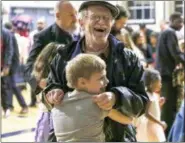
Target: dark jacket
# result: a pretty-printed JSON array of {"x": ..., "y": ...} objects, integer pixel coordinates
[
  {"x": 124, "y": 72},
  {"x": 7, "y": 48},
  {"x": 147, "y": 51},
  {"x": 168, "y": 53},
  {"x": 51, "y": 34},
  {"x": 15, "y": 59}
]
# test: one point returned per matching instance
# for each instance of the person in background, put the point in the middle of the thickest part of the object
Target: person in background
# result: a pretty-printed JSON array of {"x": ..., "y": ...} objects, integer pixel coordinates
[
  {"x": 177, "y": 131},
  {"x": 150, "y": 128},
  {"x": 40, "y": 72},
  {"x": 120, "y": 21},
  {"x": 153, "y": 41},
  {"x": 7, "y": 51},
  {"x": 124, "y": 92},
  {"x": 11, "y": 76},
  {"x": 61, "y": 32},
  {"x": 146, "y": 31},
  {"x": 146, "y": 49},
  {"x": 164, "y": 25},
  {"x": 168, "y": 56},
  {"x": 41, "y": 24}
]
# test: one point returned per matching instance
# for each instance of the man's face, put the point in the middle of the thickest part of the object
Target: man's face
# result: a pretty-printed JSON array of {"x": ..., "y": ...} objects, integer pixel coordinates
[
  {"x": 120, "y": 23},
  {"x": 97, "y": 24},
  {"x": 178, "y": 23},
  {"x": 40, "y": 26},
  {"x": 67, "y": 17},
  {"x": 97, "y": 82}
]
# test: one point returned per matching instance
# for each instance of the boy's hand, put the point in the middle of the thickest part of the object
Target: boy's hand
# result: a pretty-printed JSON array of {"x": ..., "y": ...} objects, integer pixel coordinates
[
  {"x": 105, "y": 100},
  {"x": 55, "y": 96}
]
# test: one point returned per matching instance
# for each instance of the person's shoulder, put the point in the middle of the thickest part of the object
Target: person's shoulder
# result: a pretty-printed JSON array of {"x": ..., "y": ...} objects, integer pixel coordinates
[{"x": 45, "y": 32}]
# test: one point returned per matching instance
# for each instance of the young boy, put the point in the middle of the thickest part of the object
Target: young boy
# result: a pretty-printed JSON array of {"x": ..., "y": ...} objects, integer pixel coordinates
[{"x": 77, "y": 118}]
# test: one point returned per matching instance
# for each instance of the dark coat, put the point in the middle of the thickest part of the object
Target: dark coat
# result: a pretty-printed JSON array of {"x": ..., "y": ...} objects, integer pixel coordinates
[
  {"x": 51, "y": 34},
  {"x": 168, "y": 53},
  {"x": 15, "y": 59},
  {"x": 124, "y": 72},
  {"x": 7, "y": 48}
]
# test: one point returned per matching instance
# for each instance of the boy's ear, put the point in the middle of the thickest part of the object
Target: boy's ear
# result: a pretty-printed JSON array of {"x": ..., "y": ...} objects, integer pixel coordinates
[{"x": 82, "y": 81}]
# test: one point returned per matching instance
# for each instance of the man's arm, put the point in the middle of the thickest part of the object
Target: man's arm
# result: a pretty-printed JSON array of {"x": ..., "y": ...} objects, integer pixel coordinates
[
  {"x": 173, "y": 47},
  {"x": 39, "y": 43},
  {"x": 119, "y": 117},
  {"x": 132, "y": 99}
]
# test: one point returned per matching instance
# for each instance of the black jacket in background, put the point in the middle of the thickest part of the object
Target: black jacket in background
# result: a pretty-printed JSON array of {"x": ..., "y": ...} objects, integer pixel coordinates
[
  {"x": 168, "y": 53},
  {"x": 51, "y": 34}
]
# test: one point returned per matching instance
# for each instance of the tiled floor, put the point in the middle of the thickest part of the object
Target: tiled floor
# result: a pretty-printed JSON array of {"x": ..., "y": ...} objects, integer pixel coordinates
[{"x": 17, "y": 128}]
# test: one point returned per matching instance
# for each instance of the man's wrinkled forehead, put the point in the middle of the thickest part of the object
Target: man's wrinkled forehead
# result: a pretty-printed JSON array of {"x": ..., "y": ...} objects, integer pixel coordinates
[{"x": 95, "y": 9}]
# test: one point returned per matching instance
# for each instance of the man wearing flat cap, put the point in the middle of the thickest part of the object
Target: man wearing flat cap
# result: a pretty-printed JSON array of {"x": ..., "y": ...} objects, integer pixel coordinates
[{"x": 125, "y": 91}]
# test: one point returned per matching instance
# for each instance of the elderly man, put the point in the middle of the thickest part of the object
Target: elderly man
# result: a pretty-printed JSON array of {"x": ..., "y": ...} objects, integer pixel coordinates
[
  {"x": 61, "y": 32},
  {"x": 125, "y": 91}
]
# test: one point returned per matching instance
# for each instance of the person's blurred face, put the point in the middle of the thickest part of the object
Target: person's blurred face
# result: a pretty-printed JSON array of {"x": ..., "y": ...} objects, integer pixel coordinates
[
  {"x": 140, "y": 39},
  {"x": 120, "y": 23},
  {"x": 153, "y": 40},
  {"x": 156, "y": 86},
  {"x": 40, "y": 26},
  {"x": 97, "y": 24},
  {"x": 178, "y": 23},
  {"x": 67, "y": 17}
]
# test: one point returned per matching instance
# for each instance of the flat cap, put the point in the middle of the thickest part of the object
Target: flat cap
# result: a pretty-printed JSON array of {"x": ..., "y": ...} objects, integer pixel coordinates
[{"x": 114, "y": 10}]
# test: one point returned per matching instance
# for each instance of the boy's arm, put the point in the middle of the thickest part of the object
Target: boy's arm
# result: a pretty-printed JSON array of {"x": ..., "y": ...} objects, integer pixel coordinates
[
  {"x": 119, "y": 117},
  {"x": 152, "y": 118}
]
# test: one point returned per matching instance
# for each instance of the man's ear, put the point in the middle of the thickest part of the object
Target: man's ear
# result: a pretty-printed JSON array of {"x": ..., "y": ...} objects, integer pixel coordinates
[{"x": 57, "y": 15}]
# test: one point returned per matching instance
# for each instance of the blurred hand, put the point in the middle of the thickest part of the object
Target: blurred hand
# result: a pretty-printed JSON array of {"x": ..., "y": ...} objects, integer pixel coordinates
[
  {"x": 5, "y": 71},
  {"x": 105, "y": 100},
  {"x": 164, "y": 125},
  {"x": 55, "y": 96},
  {"x": 162, "y": 100},
  {"x": 43, "y": 83}
]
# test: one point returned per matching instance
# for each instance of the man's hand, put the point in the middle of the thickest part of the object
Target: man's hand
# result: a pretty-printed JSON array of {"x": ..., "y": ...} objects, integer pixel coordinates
[
  {"x": 105, "y": 100},
  {"x": 55, "y": 96}
]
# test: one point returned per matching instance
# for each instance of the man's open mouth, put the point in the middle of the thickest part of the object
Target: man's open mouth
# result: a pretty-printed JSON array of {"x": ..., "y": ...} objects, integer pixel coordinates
[{"x": 100, "y": 29}]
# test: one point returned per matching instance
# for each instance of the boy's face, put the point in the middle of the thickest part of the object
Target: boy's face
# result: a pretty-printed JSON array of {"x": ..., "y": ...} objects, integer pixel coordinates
[{"x": 96, "y": 83}]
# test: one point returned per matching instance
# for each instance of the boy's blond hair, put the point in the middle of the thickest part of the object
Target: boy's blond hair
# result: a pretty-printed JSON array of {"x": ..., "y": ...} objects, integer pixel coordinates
[{"x": 83, "y": 65}]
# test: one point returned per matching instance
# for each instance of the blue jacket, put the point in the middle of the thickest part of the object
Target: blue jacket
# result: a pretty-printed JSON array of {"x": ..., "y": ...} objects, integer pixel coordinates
[
  {"x": 124, "y": 72},
  {"x": 177, "y": 131}
]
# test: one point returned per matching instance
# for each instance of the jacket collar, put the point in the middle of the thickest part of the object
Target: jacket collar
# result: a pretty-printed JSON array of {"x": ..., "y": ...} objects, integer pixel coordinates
[{"x": 59, "y": 33}]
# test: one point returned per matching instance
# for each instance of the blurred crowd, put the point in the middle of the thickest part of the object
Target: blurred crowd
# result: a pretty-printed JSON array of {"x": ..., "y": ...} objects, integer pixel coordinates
[{"x": 160, "y": 51}]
